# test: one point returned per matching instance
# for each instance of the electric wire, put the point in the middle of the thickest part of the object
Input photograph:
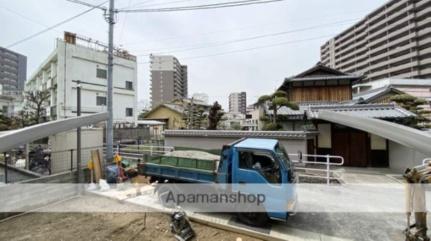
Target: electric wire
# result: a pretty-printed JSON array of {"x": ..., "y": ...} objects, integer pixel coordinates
[
  {"x": 54, "y": 26},
  {"x": 200, "y": 7},
  {"x": 216, "y": 44},
  {"x": 253, "y": 48}
]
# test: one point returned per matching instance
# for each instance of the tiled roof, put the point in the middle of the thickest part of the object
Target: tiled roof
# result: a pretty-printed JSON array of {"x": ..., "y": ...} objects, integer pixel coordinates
[
  {"x": 379, "y": 111},
  {"x": 240, "y": 134},
  {"x": 374, "y": 93}
]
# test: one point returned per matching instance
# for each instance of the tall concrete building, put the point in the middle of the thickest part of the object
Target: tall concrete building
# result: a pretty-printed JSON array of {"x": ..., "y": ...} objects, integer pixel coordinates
[
  {"x": 168, "y": 79},
  {"x": 13, "y": 73},
  {"x": 77, "y": 58},
  {"x": 393, "y": 41},
  {"x": 238, "y": 102}
]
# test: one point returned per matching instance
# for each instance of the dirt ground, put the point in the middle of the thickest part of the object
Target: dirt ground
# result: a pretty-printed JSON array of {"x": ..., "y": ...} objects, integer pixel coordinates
[{"x": 101, "y": 227}]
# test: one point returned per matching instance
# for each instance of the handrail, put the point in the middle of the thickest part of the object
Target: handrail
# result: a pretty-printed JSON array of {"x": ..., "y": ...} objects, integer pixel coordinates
[{"x": 327, "y": 162}]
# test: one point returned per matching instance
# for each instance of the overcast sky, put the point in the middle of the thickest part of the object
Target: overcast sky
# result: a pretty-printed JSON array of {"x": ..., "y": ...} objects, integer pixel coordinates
[{"x": 205, "y": 40}]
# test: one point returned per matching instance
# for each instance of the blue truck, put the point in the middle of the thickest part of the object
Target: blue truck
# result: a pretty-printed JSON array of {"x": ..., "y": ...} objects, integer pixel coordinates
[{"x": 245, "y": 161}]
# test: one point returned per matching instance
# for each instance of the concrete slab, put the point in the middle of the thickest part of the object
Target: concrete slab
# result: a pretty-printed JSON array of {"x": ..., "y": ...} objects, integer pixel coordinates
[
  {"x": 301, "y": 227},
  {"x": 352, "y": 175}
]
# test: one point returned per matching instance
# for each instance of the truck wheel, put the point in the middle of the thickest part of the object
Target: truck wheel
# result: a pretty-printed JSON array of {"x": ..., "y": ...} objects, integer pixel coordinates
[{"x": 259, "y": 219}]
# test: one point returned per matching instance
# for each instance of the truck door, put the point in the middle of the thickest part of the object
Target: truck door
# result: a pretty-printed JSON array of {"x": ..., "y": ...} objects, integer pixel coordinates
[{"x": 261, "y": 167}]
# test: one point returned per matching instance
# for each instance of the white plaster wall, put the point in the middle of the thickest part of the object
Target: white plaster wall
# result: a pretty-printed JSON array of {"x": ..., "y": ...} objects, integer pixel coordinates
[
  {"x": 62, "y": 142},
  {"x": 81, "y": 63},
  {"x": 402, "y": 157}
]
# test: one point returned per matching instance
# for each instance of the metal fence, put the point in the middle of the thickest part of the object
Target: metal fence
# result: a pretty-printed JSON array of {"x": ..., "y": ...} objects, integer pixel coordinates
[{"x": 325, "y": 161}]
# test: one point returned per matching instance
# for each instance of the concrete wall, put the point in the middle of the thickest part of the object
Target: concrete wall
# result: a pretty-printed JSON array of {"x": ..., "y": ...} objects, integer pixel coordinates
[
  {"x": 61, "y": 143},
  {"x": 292, "y": 145},
  {"x": 402, "y": 157}
]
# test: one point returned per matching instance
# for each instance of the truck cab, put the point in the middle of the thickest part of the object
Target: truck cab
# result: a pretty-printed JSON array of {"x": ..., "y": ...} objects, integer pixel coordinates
[{"x": 260, "y": 161}]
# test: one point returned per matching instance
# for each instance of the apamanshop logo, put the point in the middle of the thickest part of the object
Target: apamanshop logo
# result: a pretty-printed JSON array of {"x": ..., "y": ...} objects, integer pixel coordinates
[{"x": 214, "y": 198}]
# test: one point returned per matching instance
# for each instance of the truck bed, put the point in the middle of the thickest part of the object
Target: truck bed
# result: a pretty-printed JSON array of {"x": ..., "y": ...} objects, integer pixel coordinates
[{"x": 188, "y": 166}]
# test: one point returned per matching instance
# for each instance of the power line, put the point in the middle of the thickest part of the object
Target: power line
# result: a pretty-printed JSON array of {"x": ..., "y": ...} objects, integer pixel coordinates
[
  {"x": 54, "y": 26},
  {"x": 236, "y": 29},
  {"x": 216, "y": 44},
  {"x": 254, "y": 48},
  {"x": 155, "y": 4},
  {"x": 201, "y": 7}
]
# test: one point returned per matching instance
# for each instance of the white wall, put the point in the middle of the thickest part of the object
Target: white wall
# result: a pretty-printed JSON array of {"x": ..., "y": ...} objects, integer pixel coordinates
[
  {"x": 60, "y": 159},
  {"x": 66, "y": 66},
  {"x": 402, "y": 157}
]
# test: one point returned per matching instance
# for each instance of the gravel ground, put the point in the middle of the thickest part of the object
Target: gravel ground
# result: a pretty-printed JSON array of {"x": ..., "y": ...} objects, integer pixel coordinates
[{"x": 194, "y": 155}]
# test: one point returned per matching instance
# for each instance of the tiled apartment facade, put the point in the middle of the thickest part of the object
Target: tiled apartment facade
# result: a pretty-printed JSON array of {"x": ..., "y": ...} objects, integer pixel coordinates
[{"x": 392, "y": 41}]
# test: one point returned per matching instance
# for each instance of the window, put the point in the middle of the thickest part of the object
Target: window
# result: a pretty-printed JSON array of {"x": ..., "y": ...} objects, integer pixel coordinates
[
  {"x": 101, "y": 73},
  {"x": 129, "y": 85},
  {"x": 100, "y": 100},
  {"x": 129, "y": 111},
  {"x": 261, "y": 161}
]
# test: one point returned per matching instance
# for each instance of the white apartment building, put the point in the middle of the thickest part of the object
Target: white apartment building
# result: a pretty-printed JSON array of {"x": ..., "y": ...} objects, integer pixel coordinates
[{"x": 86, "y": 62}]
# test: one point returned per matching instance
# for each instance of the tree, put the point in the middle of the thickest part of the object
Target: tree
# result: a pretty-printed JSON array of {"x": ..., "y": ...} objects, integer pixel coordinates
[
  {"x": 22, "y": 118},
  {"x": 275, "y": 101},
  {"x": 214, "y": 116},
  {"x": 36, "y": 101},
  {"x": 414, "y": 105},
  {"x": 142, "y": 115},
  {"x": 5, "y": 122}
]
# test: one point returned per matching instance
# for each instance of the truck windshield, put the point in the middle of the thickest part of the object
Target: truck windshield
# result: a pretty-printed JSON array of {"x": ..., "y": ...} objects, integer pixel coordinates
[{"x": 282, "y": 154}]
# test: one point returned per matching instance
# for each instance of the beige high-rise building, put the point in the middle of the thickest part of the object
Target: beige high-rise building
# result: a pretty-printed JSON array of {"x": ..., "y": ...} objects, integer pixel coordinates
[
  {"x": 392, "y": 41},
  {"x": 168, "y": 79}
]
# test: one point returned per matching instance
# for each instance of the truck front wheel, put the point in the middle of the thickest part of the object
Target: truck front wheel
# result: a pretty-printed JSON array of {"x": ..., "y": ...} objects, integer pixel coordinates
[{"x": 259, "y": 219}]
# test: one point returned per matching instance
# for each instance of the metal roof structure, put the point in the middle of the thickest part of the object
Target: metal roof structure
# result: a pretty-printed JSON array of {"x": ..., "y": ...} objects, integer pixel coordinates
[
  {"x": 150, "y": 122},
  {"x": 13, "y": 138},
  {"x": 257, "y": 143},
  {"x": 407, "y": 136}
]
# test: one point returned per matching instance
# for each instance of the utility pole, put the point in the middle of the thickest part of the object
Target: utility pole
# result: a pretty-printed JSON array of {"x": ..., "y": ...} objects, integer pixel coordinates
[
  {"x": 109, "y": 127},
  {"x": 78, "y": 131}
]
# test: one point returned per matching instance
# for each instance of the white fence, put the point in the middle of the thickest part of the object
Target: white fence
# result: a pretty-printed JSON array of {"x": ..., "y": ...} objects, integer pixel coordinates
[{"x": 327, "y": 162}]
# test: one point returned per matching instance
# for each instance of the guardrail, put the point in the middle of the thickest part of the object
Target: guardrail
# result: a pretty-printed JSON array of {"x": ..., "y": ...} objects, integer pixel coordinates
[
  {"x": 144, "y": 149},
  {"x": 327, "y": 162}
]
